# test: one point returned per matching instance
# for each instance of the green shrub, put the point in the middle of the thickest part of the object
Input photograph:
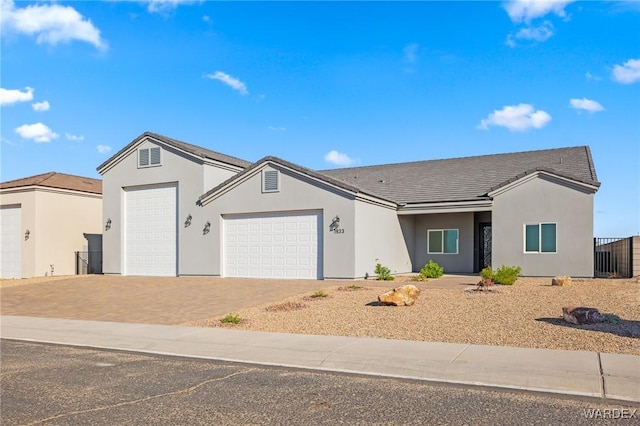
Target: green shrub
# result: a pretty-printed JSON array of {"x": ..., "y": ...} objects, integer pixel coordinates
[
  {"x": 487, "y": 273},
  {"x": 506, "y": 275},
  {"x": 384, "y": 273},
  {"x": 431, "y": 270},
  {"x": 319, "y": 293},
  {"x": 231, "y": 319}
]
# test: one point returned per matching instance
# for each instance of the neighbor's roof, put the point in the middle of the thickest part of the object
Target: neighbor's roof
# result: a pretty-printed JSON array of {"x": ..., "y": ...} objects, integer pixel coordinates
[
  {"x": 57, "y": 180},
  {"x": 466, "y": 178},
  {"x": 192, "y": 149}
]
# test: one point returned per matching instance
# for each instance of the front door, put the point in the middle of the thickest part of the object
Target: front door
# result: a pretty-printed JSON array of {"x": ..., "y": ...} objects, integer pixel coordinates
[{"x": 485, "y": 245}]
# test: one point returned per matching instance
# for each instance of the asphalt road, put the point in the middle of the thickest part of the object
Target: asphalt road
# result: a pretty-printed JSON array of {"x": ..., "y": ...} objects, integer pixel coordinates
[{"x": 58, "y": 385}]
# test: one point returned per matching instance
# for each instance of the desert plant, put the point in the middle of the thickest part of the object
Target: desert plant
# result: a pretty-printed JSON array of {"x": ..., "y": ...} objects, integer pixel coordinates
[
  {"x": 487, "y": 273},
  {"x": 319, "y": 293},
  {"x": 353, "y": 287},
  {"x": 384, "y": 273},
  {"x": 506, "y": 275},
  {"x": 231, "y": 319},
  {"x": 431, "y": 270}
]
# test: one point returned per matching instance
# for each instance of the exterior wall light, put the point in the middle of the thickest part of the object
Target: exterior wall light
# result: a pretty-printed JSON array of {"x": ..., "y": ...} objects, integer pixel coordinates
[
  {"x": 187, "y": 222},
  {"x": 207, "y": 228},
  {"x": 108, "y": 225},
  {"x": 26, "y": 235}
]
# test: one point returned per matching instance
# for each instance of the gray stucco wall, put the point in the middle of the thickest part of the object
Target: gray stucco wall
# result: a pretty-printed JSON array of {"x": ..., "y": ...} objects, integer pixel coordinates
[
  {"x": 296, "y": 194},
  {"x": 544, "y": 200},
  {"x": 176, "y": 167},
  {"x": 453, "y": 263},
  {"x": 379, "y": 238}
]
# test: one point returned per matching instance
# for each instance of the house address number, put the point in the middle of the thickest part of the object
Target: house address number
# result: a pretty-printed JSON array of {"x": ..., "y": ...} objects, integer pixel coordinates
[{"x": 335, "y": 226}]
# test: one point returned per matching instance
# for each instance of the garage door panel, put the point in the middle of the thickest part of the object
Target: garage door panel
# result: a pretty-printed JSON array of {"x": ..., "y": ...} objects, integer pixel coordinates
[
  {"x": 11, "y": 242},
  {"x": 283, "y": 245},
  {"x": 151, "y": 231}
]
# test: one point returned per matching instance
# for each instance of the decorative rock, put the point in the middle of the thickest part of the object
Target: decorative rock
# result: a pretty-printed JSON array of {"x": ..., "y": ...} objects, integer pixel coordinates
[
  {"x": 581, "y": 315},
  {"x": 561, "y": 281},
  {"x": 405, "y": 295}
]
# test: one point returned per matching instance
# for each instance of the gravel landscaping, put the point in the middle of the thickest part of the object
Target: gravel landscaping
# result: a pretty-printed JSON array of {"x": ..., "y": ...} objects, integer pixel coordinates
[{"x": 527, "y": 314}]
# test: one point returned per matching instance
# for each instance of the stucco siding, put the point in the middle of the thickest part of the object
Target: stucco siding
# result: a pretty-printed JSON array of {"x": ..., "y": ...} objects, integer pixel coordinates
[
  {"x": 544, "y": 200},
  {"x": 379, "y": 239},
  {"x": 175, "y": 167},
  {"x": 296, "y": 194},
  {"x": 463, "y": 261}
]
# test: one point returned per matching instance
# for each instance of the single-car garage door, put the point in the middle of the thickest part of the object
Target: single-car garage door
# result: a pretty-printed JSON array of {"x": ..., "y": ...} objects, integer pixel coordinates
[
  {"x": 275, "y": 245},
  {"x": 150, "y": 230},
  {"x": 11, "y": 242}
]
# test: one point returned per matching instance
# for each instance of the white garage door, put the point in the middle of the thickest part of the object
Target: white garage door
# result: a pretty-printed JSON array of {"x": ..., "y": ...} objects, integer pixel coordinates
[
  {"x": 11, "y": 242},
  {"x": 150, "y": 231},
  {"x": 273, "y": 246}
]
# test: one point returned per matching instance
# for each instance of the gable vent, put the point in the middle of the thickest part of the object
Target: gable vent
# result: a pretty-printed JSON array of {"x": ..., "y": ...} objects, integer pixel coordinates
[
  {"x": 270, "y": 181},
  {"x": 149, "y": 157}
]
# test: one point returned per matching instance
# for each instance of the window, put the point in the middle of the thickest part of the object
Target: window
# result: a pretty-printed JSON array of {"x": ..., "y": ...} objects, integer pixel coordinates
[
  {"x": 540, "y": 238},
  {"x": 443, "y": 241},
  {"x": 148, "y": 157},
  {"x": 270, "y": 181}
]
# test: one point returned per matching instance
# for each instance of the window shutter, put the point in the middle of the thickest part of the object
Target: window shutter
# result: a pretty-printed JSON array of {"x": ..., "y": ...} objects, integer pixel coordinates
[
  {"x": 270, "y": 180},
  {"x": 155, "y": 156},
  {"x": 143, "y": 157}
]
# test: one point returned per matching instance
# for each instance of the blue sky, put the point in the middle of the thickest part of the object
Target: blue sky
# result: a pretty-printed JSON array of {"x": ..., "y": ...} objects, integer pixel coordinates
[{"x": 326, "y": 84}]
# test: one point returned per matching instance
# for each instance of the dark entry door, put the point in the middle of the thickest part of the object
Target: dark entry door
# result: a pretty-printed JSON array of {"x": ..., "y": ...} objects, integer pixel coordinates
[{"x": 485, "y": 245}]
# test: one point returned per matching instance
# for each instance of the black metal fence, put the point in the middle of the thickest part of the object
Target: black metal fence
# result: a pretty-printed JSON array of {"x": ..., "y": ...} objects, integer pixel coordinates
[
  {"x": 88, "y": 262},
  {"x": 613, "y": 257}
]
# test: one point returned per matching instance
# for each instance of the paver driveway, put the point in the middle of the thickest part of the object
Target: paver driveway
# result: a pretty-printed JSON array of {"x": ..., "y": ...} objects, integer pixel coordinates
[{"x": 154, "y": 300}]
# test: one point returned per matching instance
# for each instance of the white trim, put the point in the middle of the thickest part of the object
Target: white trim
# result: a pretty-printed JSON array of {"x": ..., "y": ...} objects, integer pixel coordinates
[
  {"x": 539, "y": 225},
  {"x": 446, "y": 207},
  {"x": 442, "y": 233}
]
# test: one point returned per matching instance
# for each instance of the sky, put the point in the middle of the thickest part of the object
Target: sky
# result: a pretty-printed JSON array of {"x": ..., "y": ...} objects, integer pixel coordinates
[{"x": 326, "y": 84}]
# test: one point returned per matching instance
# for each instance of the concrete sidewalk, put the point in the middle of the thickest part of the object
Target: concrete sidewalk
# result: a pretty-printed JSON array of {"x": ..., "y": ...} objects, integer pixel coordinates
[{"x": 602, "y": 375}]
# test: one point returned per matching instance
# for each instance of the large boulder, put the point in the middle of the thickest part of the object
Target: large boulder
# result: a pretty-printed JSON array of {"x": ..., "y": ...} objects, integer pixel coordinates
[
  {"x": 561, "y": 281},
  {"x": 581, "y": 315},
  {"x": 405, "y": 295}
]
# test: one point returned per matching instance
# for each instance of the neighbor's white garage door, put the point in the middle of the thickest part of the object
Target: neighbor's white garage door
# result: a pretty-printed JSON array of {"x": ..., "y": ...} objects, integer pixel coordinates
[
  {"x": 150, "y": 231},
  {"x": 273, "y": 246},
  {"x": 11, "y": 242}
]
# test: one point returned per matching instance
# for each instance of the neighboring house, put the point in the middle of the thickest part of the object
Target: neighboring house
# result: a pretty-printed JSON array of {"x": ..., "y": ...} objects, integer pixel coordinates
[
  {"x": 44, "y": 219},
  {"x": 280, "y": 220}
]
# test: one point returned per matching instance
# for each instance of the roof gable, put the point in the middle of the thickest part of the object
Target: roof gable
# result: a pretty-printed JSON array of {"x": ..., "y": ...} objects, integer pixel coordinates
[
  {"x": 189, "y": 149},
  {"x": 58, "y": 181},
  {"x": 466, "y": 178}
]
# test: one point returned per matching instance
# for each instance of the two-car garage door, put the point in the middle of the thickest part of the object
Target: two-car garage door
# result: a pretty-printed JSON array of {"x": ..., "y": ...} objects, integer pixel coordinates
[
  {"x": 275, "y": 245},
  {"x": 11, "y": 242}
]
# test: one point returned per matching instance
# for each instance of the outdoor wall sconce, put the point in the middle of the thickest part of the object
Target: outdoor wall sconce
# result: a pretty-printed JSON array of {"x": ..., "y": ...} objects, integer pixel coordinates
[
  {"x": 108, "y": 225},
  {"x": 188, "y": 221},
  {"x": 26, "y": 235},
  {"x": 207, "y": 228}
]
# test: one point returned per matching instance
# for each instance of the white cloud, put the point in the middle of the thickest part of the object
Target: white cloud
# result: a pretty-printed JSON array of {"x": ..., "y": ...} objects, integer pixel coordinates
[
  {"x": 232, "y": 82},
  {"x": 338, "y": 158},
  {"x": 75, "y": 138},
  {"x": 41, "y": 106},
  {"x": 627, "y": 73},
  {"x": 38, "y": 132},
  {"x": 103, "y": 149},
  {"x": 540, "y": 33},
  {"x": 49, "y": 23},
  {"x": 12, "y": 96},
  {"x": 411, "y": 52},
  {"x": 277, "y": 128},
  {"x": 586, "y": 105},
  {"x": 527, "y": 10},
  {"x": 162, "y": 6},
  {"x": 516, "y": 118},
  {"x": 591, "y": 77}
]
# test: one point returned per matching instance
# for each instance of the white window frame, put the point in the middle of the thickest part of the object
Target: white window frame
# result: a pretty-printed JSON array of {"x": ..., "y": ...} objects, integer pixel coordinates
[
  {"x": 429, "y": 231},
  {"x": 264, "y": 189},
  {"x": 142, "y": 166},
  {"x": 539, "y": 251}
]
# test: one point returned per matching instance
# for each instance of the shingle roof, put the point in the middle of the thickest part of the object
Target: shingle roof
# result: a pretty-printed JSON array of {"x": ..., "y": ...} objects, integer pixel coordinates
[
  {"x": 466, "y": 178},
  {"x": 57, "y": 180},
  {"x": 192, "y": 149}
]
